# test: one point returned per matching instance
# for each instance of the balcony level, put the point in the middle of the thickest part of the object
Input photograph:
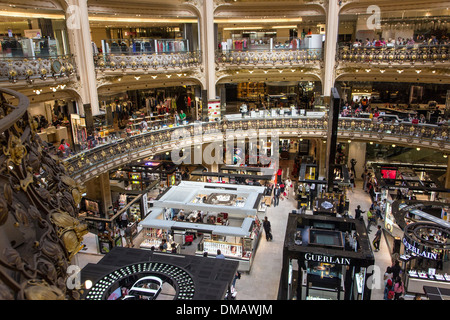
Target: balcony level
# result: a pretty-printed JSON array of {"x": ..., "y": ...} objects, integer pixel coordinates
[{"x": 101, "y": 159}]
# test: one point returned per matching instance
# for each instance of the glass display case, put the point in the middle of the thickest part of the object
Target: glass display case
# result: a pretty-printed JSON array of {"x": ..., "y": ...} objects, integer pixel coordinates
[{"x": 152, "y": 237}]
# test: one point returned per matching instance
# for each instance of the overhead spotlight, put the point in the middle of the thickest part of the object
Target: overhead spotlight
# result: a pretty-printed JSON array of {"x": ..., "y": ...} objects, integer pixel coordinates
[
  {"x": 418, "y": 149},
  {"x": 154, "y": 77},
  {"x": 400, "y": 71},
  {"x": 419, "y": 71},
  {"x": 368, "y": 70},
  {"x": 382, "y": 70},
  {"x": 393, "y": 146},
  {"x": 137, "y": 77}
]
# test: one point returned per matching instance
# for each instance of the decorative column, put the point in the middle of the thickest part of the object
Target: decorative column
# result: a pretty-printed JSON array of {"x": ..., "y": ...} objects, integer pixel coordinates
[
  {"x": 357, "y": 151},
  {"x": 207, "y": 35},
  {"x": 77, "y": 20},
  {"x": 99, "y": 189},
  {"x": 331, "y": 36}
]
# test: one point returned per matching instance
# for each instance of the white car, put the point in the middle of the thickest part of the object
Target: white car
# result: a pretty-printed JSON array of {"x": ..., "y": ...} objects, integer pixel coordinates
[{"x": 146, "y": 288}]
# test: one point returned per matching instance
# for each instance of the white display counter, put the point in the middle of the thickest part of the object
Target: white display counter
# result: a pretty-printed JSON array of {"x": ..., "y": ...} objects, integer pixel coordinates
[{"x": 239, "y": 204}]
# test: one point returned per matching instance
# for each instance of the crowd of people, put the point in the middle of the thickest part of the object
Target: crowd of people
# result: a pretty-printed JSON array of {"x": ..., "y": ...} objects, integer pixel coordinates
[
  {"x": 363, "y": 106},
  {"x": 430, "y": 40}
]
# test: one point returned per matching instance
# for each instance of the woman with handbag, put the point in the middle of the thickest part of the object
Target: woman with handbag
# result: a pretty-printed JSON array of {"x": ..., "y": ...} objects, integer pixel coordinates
[{"x": 399, "y": 288}]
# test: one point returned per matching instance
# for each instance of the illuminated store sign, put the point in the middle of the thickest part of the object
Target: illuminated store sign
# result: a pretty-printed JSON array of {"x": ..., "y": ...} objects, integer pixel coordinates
[
  {"x": 419, "y": 252},
  {"x": 326, "y": 259}
]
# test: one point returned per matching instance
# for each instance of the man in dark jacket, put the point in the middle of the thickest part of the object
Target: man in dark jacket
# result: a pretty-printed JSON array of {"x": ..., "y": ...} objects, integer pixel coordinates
[
  {"x": 358, "y": 212},
  {"x": 268, "y": 229},
  {"x": 276, "y": 195}
]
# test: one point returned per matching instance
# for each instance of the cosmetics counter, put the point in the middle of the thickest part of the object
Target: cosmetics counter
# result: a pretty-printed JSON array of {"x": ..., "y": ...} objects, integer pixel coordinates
[
  {"x": 325, "y": 258},
  {"x": 204, "y": 217},
  {"x": 419, "y": 241}
]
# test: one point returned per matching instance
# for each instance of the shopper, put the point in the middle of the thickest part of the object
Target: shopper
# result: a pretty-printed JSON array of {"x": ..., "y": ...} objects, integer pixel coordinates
[
  {"x": 376, "y": 240},
  {"x": 377, "y": 210},
  {"x": 176, "y": 117},
  {"x": 64, "y": 147},
  {"x": 352, "y": 181},
  {"x": 164, "y": 245},
  {"x": 399, "y": 288},
  {"x": 389, "y": 290},
  {"x": 358, "y": 212},
  {"x": 396, "y": 270},
  {"x": 268, "y": 229},
  {"x": 364, "y": 177},
  {"x": 282, "y": 189},
  {"x": 370, "y": 219},
  {"x": 219, "y": 255},
  {"x": 287, "y": 186},
  {"x": 124, "y": 220},
  {"x": 182, "y": 117},
  {"x": 276, "y": 195},
  {"x": 128, "y": 237}
]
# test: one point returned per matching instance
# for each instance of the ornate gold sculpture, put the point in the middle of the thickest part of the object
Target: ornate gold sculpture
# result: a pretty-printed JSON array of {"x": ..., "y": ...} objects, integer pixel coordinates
[{"x": 38, "y": 217}]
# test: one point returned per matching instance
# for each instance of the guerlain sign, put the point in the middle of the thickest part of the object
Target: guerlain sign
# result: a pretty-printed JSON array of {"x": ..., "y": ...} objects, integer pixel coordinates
[
  {"x": 326, "y": 259},
  {"x": 422, "y": 253}
]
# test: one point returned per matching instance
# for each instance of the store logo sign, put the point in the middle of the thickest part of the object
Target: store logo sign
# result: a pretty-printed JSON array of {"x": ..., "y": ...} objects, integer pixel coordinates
[
  {"x": 417, "y": 251},
  {"x": 326, "y": 259}
]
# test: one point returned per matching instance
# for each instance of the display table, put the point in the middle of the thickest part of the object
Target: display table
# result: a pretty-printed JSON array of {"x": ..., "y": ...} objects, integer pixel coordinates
[{"x": 416, "y": 284}]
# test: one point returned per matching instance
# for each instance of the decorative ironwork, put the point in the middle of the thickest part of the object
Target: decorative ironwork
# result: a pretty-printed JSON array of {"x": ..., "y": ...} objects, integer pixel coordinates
[
  {"x": 398, "y": 55},
  {"x": 31, "y": 69},
  {"x": 269, "y": 58},
  {"x": 177, "y": 61},
  {"x": 79, "y": 166},
  {"x": 38, "y": 210}
]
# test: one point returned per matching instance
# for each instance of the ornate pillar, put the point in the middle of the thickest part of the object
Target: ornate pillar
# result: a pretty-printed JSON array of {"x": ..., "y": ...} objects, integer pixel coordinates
[
  {"x": 357, "y": 151},
  {"x": 99, "y": 189},
  {"x": 77, "y": 21},
  {"x": 207, "y": 35},
  {"x": 332, "y": 26}
]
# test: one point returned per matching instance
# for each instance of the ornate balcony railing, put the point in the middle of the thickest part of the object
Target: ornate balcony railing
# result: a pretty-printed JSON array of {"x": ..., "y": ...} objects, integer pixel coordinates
[
  {"x": 90, "y": 163},
  {"x": 38, "y": 210},
  {"x": 269, "y": 58},
  {"x": 156, "y": 61},
  {"x": 14, "y": 69},
  {"x": 398, "y": 55}
]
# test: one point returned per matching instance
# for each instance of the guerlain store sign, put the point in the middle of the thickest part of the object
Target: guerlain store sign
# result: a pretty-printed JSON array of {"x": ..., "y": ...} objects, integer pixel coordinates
[{"x": 326, "y": 259}]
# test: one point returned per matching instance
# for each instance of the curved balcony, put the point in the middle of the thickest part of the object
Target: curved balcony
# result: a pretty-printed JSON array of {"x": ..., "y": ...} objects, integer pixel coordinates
[
  {"x": 278, "y": 58},
  {"x": 147, "y": 62},
  {"x": 398, "y": 55},
  {"x": 93, "y": 162},
  {"x": 14, "y": 69}
]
